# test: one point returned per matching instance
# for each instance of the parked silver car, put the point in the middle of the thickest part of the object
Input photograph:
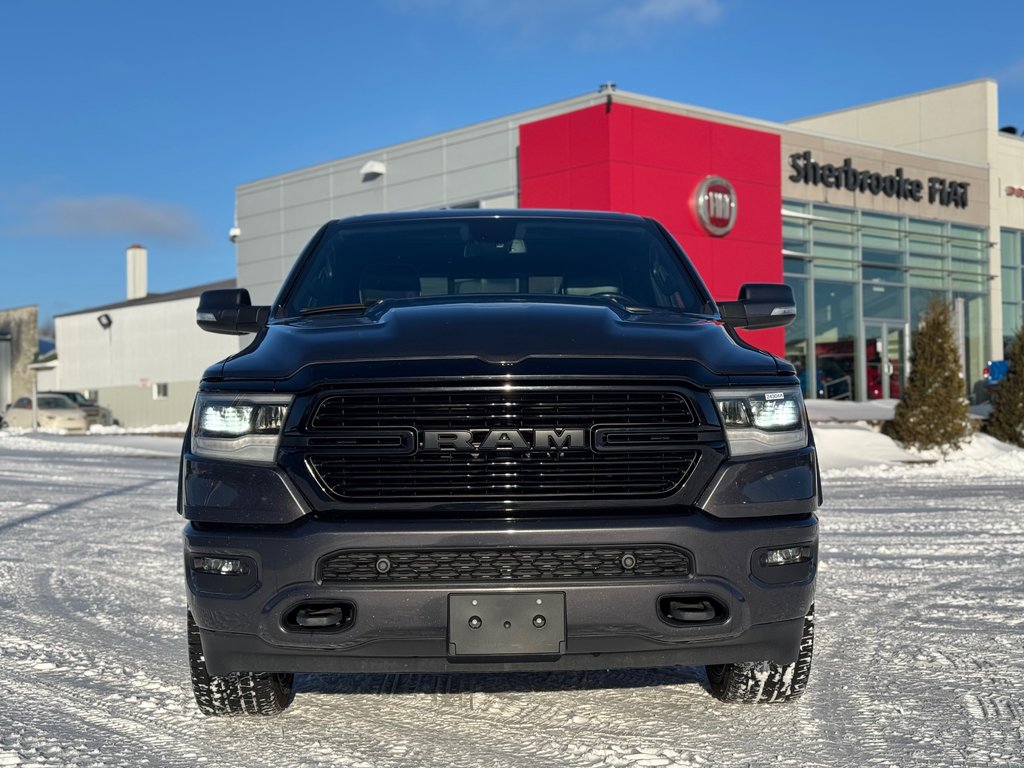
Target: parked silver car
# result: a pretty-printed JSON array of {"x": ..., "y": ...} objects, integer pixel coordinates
[
  {"x": 53, "y": 412},
  {"x": 94, "y": 412}
]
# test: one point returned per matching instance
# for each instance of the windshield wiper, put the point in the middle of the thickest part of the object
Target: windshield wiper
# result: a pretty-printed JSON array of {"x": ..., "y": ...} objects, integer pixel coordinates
[{"x": 362, "y": 305}]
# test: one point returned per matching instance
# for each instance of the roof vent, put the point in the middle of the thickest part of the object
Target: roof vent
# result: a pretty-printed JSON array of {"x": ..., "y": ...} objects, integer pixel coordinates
[{"x": 1010, "y": 129}]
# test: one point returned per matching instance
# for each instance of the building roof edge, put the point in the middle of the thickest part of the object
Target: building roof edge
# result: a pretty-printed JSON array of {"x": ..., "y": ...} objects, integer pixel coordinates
[{"x": 157, "y": 298}]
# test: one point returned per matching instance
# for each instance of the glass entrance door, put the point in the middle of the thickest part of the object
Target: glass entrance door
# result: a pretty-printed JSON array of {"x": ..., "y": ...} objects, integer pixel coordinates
[{"x": 884, "y": 355}]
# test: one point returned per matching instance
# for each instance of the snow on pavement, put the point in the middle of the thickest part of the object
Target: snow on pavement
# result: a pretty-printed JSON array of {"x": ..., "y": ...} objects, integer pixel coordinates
[{"x": 919, "y": 658}]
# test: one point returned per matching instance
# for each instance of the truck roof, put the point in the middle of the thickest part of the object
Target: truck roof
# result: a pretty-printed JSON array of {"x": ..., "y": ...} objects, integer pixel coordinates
[{"x": 492, "y": 213}]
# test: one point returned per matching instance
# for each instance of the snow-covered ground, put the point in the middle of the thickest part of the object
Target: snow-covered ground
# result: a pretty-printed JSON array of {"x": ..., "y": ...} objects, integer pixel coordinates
[{"x": 919, "y": 658}]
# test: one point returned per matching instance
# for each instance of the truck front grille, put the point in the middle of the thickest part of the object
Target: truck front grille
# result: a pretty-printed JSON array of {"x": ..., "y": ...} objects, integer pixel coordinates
[
  {"x": 498, "y": 443},
  {"x": 496, "y": 407},
  {"x": 535, "y": 475},
  {"x": 476, "y": 565}
]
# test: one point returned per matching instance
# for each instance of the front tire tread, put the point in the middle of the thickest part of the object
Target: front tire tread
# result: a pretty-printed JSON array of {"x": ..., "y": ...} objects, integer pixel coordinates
[
  {"x": 765, "y": 682},
  {"x": 240, "y": 693}
]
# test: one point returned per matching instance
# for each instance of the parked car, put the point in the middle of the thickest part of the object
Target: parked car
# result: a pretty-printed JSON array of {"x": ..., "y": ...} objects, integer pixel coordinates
[
  {"x": 53, "y": 412},
  {"x": 94, "y": 412}
]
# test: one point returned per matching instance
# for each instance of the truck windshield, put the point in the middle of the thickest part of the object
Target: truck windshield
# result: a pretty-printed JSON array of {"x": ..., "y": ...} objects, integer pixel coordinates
[{"x": 522, "y": 257}]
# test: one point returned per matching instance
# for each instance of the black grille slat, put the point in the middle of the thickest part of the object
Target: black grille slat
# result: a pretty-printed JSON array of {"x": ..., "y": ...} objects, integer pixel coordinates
[
  {"x": 580, "y": 472},
  {"x": 426, "y": 566},
  {"x": 461, "y": 476},
  {"x": 482, "y": 408}
]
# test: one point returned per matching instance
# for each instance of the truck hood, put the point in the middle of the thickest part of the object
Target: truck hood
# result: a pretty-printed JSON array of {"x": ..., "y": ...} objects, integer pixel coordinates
[{"x": 498, "y": 332}]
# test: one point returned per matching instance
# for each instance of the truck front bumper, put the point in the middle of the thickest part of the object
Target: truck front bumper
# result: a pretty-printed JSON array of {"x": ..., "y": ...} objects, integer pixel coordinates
[{"x": 247, "y": 619}]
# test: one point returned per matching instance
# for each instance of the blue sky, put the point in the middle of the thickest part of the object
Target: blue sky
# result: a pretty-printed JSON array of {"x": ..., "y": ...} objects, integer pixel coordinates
[{"x": 126, "y": 122}]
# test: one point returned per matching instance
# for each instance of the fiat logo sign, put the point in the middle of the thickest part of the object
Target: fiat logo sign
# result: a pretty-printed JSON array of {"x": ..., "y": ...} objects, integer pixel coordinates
[{"x": 715, "y": 202}]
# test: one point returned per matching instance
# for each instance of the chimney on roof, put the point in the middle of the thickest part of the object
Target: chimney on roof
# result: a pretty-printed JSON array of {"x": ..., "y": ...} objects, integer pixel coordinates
[{"x": 136, "y": 256}]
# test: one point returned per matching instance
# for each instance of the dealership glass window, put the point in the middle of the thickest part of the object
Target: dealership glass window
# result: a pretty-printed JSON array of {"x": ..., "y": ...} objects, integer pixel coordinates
[
  {"x": 968, "y": 258},
  {"x": 874, "y": 256},
  {"x": 920, "y": 298},
  {"x": 834, "y": 261},
  {"x": 884, "y": 269},
  {"x": 924, "y": 245},
  {"x": 833, "y": 239},
  {"x": 925, "y": 237},
  {"x": 883, "y": 301},
  {"x": 926, "y": 262},
  {"x": 881, "y": 239},
  {"x": 968, "y": 276},
  {"x": 882, "y": 274},
  {"x": 833, "y": 225},
  {"x": 1011, "y": 249},
  {"x": 794, "y": 266},
  {"x": 967, "y": 243},
  {"x": 796, "y": 230},
  {"x": 1011, "y": 285},
  {"x": 976, "y": 331},
  {"x": 798, "y": 341},
  {"x": 835, "y": 334},
  {"x": 926, "y": 279}
]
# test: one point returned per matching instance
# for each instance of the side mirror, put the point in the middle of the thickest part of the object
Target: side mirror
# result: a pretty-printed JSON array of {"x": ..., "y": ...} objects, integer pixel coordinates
[
  {"x": 760, "y": 305},
  {"x": 230, "y": 311}
]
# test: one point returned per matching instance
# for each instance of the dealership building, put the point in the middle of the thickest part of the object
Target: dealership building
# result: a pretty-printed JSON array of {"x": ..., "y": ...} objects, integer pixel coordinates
[{"x": 869, "y": 213}]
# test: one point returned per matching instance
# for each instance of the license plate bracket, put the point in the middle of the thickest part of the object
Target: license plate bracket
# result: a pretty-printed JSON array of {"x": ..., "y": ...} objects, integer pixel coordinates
[{"x": 521, "y": 624}]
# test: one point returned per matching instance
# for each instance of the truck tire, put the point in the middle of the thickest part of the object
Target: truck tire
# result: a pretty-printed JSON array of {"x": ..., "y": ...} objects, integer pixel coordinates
[
  {"x": 757, "y": 682},
  {"x": 240, "y": 693}
]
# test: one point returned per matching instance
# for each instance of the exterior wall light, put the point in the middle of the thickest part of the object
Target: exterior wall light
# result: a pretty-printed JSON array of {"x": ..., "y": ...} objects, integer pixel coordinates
[{"x": 372, "y": 169}]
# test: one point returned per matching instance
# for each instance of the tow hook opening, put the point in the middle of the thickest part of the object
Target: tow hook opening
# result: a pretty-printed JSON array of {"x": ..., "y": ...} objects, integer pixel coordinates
[
  {"x": 320, "y": 616},
  {"x": 690, "y": 609}
]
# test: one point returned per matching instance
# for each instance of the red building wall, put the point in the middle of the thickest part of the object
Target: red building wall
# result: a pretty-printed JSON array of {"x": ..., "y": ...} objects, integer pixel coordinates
[{"x": 636, "y": 160}]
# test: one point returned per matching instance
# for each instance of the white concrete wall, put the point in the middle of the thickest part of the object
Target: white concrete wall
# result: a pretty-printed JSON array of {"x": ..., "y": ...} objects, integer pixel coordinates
[
  {"x": 1008, "y": 171},
  {"x": 47, "y": 380},
  {"x": 145, "y": 345},
  {"x": 955, "y": 122}
]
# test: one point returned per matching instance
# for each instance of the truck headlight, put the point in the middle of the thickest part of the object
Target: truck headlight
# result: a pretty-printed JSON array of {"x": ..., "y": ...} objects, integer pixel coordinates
[
  {"x": 763, "y": 420},
  {"x": 240, "y": 427}
]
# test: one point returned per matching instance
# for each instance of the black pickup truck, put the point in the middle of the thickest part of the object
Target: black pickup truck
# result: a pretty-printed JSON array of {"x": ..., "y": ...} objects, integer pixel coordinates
[{"x": 497, "y": 441}]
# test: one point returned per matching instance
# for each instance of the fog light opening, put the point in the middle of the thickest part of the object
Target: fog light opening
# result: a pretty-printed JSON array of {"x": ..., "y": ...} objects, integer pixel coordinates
[
  {"x": 785, "y": 556},
  {"x": 222, "y": 566}
]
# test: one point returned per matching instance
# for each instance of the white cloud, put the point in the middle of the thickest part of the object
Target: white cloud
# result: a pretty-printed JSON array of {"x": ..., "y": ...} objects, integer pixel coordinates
[
  {"x": 625, "y": 24},
  {"x": 1013, "y": 74},
  {"x": 583, "y": 23},
  {"x": 661, "y": 11},
  {"x": 100, "y": 216}
]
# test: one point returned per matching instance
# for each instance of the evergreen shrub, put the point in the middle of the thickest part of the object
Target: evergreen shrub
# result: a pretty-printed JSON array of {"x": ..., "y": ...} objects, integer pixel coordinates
[
  {"x": 933, "y": 412},
  {"x": 1006, "y": 422}
]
